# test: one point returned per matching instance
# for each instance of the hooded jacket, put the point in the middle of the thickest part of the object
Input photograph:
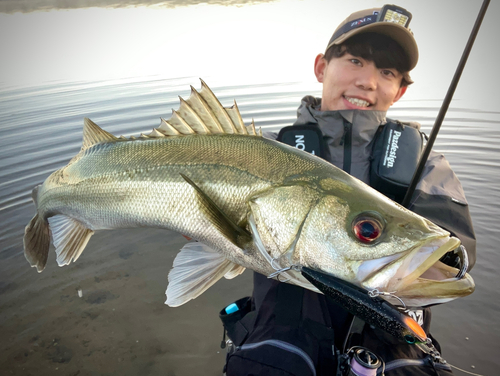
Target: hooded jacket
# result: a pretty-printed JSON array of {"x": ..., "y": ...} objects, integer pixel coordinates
[
  {"x": 289, "y": 313},
  {"x": 349, "y": 136}
]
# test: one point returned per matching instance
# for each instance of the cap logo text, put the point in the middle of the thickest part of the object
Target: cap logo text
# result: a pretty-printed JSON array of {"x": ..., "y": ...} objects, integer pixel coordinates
[{"x": 361, "y": 21}]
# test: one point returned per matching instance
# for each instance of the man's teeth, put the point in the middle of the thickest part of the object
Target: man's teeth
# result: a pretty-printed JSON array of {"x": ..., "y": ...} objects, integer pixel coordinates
[{"x": 358, "y": 102}]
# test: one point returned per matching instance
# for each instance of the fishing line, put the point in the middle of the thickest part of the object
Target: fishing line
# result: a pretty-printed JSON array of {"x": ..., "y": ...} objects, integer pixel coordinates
[
  {"x": 445, "y": 105},
  {"x": 459, "y": 369}
]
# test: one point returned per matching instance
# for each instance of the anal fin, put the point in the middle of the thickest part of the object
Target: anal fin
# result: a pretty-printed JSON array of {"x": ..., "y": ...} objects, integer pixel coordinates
[
  {"x": 195, "y": 269},
  {"x": 69, "y": 236}
]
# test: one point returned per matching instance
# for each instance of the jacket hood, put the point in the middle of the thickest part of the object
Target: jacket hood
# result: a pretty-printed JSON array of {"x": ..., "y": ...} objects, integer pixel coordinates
[
  {"x": 309, "y": 112},
  {"x": 363, "y": 126},
  {"x": 439, "y": 191}
]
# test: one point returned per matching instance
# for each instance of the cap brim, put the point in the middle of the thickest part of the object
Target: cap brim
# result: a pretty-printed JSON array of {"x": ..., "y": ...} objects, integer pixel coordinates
[{"x": 398, "y": 33}]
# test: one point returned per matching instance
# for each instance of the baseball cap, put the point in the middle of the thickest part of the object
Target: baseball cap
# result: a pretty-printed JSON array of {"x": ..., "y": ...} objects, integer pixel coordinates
[{"x": 390, "y": 20}]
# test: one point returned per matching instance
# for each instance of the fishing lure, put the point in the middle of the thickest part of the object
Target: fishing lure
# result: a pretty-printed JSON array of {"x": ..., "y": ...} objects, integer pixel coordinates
[{"x": 374, "y": 310}]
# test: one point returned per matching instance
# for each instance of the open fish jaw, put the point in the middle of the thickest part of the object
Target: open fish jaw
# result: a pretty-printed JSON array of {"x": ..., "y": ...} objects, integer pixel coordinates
[
  {"x": 419, "y": 278},
  {"x": 419, "y": 260},
  {"x": 437, "y": 285},
  {"x": 401, "y": 272},
  {"x": 205, "y": 174},
  {"x": 312, "y": 229}
]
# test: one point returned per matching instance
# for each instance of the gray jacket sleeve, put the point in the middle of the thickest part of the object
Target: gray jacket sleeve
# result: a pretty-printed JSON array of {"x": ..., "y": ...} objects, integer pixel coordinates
[
  {"x": 439, "y": 197},
  {"x": 270, "y": 135}
]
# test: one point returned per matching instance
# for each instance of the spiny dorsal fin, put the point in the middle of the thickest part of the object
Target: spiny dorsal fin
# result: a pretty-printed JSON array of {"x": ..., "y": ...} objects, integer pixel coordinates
[
  {"x": 202, "y": 113},
  {"x": 156, "y": 134},
  {"x": 192, "y": 117},
  {"x": 251, "y": 129},
  {"x": 180, "y": 124},
  {"x": 218, "y": 110},
  {"x": 234, "y": 114},
  {"x": 93, "y": 134},
  {"x": 167, "y": 129}
]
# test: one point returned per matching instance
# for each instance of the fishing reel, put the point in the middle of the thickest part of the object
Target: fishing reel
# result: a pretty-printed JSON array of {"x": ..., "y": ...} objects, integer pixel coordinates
[{"x": 359, "y": 361}]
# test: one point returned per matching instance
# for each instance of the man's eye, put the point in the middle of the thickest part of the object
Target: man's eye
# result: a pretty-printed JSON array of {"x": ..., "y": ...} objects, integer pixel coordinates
[
  {"x": 355, "y": 61},
  {"x": 389, "y": 73}
]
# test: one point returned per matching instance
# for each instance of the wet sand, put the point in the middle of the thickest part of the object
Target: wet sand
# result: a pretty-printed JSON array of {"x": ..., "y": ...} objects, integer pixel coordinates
[{"x": 120, "y": 325}]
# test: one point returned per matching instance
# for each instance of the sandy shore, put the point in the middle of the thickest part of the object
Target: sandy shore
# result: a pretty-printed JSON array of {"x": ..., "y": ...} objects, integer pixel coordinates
[{"x": 120, "y": 325}]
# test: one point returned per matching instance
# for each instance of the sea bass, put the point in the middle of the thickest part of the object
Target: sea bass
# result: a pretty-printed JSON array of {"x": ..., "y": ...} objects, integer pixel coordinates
[{"x": 250, "y": 202}]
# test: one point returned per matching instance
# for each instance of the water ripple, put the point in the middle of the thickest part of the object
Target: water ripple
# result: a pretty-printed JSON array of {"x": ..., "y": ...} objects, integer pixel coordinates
[{"x": 41, "y": 130}]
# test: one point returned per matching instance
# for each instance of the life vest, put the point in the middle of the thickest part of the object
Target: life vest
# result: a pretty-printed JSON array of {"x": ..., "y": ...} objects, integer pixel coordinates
[
  {"x": 396, "y": 151},
  {"x": 287, "y": 330}
]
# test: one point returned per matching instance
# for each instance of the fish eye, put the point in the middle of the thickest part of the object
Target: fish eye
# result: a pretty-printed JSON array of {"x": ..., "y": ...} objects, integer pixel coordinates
[{"x": 367, "y": 229}]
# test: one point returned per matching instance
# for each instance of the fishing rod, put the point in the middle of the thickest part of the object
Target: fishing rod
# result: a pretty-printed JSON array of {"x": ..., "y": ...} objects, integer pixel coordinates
[{"x": 444, "y": 107}]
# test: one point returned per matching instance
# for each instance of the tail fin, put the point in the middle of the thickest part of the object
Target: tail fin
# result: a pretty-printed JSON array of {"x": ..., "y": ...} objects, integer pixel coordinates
[
  {"x": 36, "y": 242},
  {"x": 69, "y": 237}
]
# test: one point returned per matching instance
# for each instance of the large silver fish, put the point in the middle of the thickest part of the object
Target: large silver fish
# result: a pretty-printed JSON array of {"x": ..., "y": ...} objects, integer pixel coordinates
[{"x": 249, "y": 201}]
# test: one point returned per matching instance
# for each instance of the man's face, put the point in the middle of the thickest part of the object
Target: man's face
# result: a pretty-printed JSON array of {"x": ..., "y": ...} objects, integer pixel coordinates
[{"x": 351, "y": 82}]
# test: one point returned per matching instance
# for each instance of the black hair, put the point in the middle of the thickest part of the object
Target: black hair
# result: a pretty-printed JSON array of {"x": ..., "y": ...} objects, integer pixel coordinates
[{"x": 383, "y": 51}]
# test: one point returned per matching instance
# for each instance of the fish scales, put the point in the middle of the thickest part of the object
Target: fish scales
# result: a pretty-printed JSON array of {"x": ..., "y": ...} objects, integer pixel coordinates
[
  {"x": 249, "y": 201},
  {"x": 138, "y": 183},
  {"x": 135, "y": 173}
]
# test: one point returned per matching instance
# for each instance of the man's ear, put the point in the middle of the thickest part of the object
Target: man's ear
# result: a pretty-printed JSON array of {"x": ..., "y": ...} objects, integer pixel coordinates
[
  {"x": 399, "y": 94},
  {"x": 319, "y": 67}
]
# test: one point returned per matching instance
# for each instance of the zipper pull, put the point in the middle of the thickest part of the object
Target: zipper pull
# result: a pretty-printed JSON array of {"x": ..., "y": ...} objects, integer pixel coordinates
[
  {"x": 342, "y": 140},
  {"x": 346, "y": 130}
]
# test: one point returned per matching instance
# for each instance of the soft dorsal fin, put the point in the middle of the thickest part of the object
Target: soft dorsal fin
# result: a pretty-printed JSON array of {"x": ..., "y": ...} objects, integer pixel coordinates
[{"x": 93, "y": 134}]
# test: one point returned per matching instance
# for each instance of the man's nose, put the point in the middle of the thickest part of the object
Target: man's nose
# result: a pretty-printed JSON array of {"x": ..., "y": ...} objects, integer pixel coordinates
[{"x": 367, "y": 78}]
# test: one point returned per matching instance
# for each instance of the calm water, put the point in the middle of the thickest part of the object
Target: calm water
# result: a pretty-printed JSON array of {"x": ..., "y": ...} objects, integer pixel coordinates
[{"x": 120, "y": 325}]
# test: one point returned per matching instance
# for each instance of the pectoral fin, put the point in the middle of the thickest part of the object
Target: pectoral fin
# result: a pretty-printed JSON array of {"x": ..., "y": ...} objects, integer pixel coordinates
[
  {"x": 195, "y": 269},
  {"x": 234, "y": 233},
  {"x": 235, "y": 271}
]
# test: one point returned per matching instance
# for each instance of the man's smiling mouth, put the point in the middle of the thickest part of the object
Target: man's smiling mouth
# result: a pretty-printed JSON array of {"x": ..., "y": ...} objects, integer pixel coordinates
[{"x": 357, "y": 102}]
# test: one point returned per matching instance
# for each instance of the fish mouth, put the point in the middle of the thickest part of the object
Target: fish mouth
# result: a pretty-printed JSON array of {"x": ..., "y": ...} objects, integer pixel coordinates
[
  {"x": 439, "y": 284},
  {"x": 420, "y": 279}
]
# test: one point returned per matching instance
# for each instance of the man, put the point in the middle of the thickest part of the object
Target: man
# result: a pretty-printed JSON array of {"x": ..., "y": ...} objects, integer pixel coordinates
[{"x": 364, "y": 71}]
